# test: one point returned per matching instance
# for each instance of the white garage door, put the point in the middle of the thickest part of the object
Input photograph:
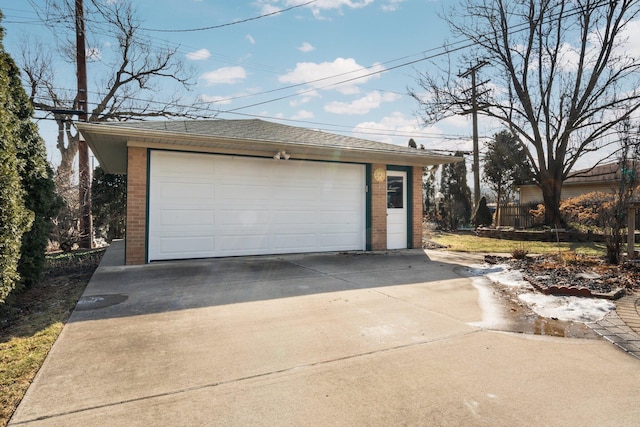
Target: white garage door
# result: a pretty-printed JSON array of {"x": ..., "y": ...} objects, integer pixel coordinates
[{"x": 204, "y": 206}]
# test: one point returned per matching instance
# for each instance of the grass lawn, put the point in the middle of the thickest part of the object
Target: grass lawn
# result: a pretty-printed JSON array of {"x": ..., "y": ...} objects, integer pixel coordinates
[
  {"x": 31, "y": 322},
  {"x": 471, "y": 243}
]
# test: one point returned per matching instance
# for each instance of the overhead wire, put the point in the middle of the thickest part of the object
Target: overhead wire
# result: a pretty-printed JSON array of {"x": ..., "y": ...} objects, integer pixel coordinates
[
  {"x": 444, "y": 50},
  {"x": 242, "y": 21},
  {"x": 324, "y": 125}
]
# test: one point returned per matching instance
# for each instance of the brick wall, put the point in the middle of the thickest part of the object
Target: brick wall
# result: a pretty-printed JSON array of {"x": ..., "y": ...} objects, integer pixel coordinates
[
  {"x": 416, "y": 203},
  {"x": 135, "y": 252},
  {"x": 378, "y": 212}
]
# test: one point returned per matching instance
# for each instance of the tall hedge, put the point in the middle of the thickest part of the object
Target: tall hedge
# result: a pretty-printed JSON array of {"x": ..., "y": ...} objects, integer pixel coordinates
[
  {"x": 15, "y": 218},
  {"x": 27, "y": 192}
]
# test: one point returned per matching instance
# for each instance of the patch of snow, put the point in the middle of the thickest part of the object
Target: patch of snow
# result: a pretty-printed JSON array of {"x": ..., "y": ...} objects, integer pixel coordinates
[
  {"x": 500, "y": 273},
  {"x": 588, "y": 275},
  {"x": 484, "y": 269},
  {"x": 492, "y": 312},
  {"x": 510, "y": 278},
  {"x": 574, "y": 309}
]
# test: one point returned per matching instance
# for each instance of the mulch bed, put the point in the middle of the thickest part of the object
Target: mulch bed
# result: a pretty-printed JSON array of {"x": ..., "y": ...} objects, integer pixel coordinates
[{"x": 576, "y": 275}]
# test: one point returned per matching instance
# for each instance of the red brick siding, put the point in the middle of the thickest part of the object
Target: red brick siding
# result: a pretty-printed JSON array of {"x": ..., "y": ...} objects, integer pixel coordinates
[
  {"x": 416, "y": 175},
  {"x": 135, "y": 252},
  {"x": 378, "y": 212}
]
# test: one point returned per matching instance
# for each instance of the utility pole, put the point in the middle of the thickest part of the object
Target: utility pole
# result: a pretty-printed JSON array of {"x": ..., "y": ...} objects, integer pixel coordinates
[
  {"x": 474, "y": 110},
  {"x": 84, "y": 182}
]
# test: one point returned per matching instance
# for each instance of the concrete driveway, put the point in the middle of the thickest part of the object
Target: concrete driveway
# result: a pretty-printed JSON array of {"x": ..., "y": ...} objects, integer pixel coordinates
[{"x": 331, "y": 339}]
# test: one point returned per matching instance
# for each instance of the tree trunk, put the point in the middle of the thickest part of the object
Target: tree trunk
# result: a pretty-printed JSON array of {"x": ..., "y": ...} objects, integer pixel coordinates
[
  {"x": 498, "y": 210},
  {"x": 67, "y": 152},
  {"x": 551, "y": 187}
]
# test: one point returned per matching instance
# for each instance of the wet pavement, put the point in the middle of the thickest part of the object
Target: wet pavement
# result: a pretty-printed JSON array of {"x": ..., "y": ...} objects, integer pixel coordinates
[
  {"x": 622, "y": 326},
  {"x": 399, "y": 338}
]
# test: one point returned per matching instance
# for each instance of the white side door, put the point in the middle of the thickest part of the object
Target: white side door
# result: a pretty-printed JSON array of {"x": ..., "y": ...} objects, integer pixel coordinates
[{"x": 396, "y": 210}]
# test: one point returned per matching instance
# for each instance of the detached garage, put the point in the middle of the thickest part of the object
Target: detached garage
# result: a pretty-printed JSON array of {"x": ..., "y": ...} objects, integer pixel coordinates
[{"x": 217, "y": 188}]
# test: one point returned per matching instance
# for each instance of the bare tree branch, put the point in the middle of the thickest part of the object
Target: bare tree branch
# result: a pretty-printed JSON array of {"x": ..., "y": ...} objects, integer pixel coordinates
[
  {"x": 564, "y": 78},
  {"x": 122, "y": 81}
]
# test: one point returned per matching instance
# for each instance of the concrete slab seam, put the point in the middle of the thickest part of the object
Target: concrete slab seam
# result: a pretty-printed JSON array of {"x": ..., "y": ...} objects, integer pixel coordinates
[{"x": 250, "y": 377}]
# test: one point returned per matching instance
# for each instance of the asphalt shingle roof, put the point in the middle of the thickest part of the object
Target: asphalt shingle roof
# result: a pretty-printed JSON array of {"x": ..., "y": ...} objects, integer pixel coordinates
[{"x": 260, "y": 130}]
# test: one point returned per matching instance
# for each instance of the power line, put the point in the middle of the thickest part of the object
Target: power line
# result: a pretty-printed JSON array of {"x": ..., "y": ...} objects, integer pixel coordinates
[
  {"x": 213, "y": 27},
  {"x": 459, "y": 45}
]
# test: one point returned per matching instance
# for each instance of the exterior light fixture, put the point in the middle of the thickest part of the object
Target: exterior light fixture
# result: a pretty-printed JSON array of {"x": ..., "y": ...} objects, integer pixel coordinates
[{"x": 281, "y": 155}]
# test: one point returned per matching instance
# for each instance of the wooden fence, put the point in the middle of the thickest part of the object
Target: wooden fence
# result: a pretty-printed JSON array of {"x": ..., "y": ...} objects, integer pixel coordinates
[{"x": 518, "y": 216}]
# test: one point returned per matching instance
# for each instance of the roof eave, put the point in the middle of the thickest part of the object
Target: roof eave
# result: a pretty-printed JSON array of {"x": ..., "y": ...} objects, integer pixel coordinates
[{"x": 109, "y": 145}]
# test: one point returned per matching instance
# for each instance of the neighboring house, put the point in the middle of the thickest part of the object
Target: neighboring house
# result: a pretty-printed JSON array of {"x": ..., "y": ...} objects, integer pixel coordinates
[
  {"x": 604, "y": 178},
  {"x": 215, "y": 188}
]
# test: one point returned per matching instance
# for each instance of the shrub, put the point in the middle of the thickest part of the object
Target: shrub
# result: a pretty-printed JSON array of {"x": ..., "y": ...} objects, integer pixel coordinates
[
  {"x": 519, "y": 253},
  {"x": 109, "y": 203},
  {"x": 586, "y": 209},
  {"x": 482, "y": 216}
]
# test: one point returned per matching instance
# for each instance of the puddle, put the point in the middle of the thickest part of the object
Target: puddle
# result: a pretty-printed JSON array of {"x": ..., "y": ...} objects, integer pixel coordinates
[
  {"x": 521, "y": 319},
  {"x": 94, "y": 302},
  {"x": 503, "y": 311}
]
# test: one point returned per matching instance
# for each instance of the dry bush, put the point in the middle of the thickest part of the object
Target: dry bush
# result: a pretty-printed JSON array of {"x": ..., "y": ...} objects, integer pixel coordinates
[
  {"x": 586, "y": 209},
  {"x": 520, "y": 252}
]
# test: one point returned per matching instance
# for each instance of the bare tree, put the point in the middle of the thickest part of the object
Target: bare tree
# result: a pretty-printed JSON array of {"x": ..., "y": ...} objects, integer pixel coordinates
[
  {"x": 562, "y": 79},
  {"x": 125, "y": 71},
  {"x": 615, "y": 213}
]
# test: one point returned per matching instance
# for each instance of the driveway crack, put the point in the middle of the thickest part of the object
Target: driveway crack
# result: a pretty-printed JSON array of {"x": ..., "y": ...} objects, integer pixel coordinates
[{"x": 250, "y": 377}]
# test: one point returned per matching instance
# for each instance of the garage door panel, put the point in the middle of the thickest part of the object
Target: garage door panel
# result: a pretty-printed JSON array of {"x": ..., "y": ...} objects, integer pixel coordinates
[
  {"x": 284, "y": 242},
  {"x": 181, "y": 217},
  {"x": 298, "y": 195},
  {"x": 193, "y": 246},
  {"x": 336, "y": 195},
  {"x": 187, "y": 190},
  {"x": 243, "y": 218},
  {"x": 334, "y": 241},
  {"x": 210, "y": 205},
  {"x": 242, "y": 168},
  {"x": 244, "y": 244},
  {"x": 243, "y": 192},
  {"x": 290, "y": 218},
  {"x": 343, "y": 219},
  {"x": 197, "y": 167}
]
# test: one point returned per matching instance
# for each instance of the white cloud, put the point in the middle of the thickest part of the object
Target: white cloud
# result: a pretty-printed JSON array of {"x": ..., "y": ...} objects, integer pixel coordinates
[
  {"x": 224, "y": 75},
  {"x": 391, "y": 5},
  {"x": 94, "y": 54},
  {"x": 632, "y": 34},
  {"x": 271, "y": 6},
  {"x": 250, "y": 38},
  {"x": 306, "y": 47},
  {"x": 329, "y": 75},
  {"x": 568, "y": 58},
  {"x": 220, "y": 100},
  {"x": 392, "y": 129},
  {"x": 199, "y": 55},
  {"x": 362, "y": 105},
  {"x": 308, "y": 97},
  {"x": 302, "y": 115},
  {"x": 396, "y": 128}
]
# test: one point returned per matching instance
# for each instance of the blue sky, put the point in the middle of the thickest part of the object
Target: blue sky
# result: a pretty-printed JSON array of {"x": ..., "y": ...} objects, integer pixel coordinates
[{"x": 236, "y": 64}]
